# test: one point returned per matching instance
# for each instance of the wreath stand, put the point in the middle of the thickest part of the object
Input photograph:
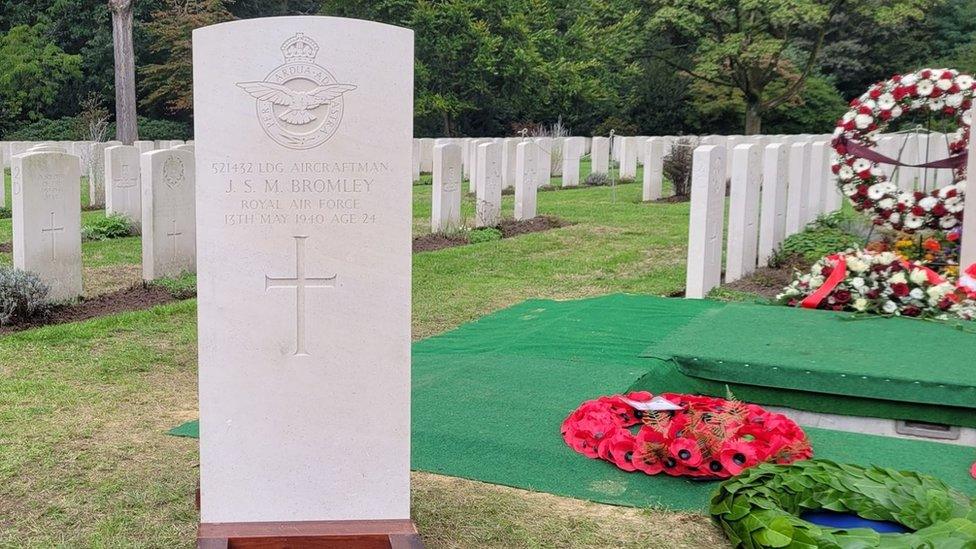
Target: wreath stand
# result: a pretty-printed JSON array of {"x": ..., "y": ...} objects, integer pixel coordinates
[{"x": 324, "y": 534}]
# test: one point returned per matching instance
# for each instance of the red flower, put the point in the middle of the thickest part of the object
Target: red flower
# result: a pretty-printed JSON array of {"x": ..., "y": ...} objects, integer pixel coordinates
[
  {"x": 842, "y": 296},
  {"x": 685, "y": 451},
  {"x": 900, "y": 289},
  {"x": 737, "y": 455},
  {"x": 619, "y": 449}
]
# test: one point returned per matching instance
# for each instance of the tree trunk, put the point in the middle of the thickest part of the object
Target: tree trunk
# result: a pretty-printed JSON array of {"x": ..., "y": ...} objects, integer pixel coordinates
[
  {"x": 753, "y": 117},
  {"x": 126, "y": 129}
]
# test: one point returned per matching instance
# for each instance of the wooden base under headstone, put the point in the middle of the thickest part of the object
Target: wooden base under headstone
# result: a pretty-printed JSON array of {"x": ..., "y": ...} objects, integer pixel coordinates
[{"x": 344, "y": 534}]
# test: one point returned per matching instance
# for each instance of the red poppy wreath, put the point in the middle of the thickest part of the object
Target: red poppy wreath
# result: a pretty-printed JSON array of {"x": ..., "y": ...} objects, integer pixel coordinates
[
  {"x": 683, "y": 435},
  {"x": 942, "y": 91}
]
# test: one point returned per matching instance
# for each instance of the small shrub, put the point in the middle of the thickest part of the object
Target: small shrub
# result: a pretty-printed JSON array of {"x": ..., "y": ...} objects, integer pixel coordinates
[
  {"x": 22, "y": 295},
  {"x": 597, "y": 179},
  {"x": 484, "y": 234},
  {"x": 677, "y": 164},
  {"x": 104, "y": 228},
  {"x": 813, "y": 244},
  {"x": 626, "y": 180},
  {"x": 5, "y": 213}
]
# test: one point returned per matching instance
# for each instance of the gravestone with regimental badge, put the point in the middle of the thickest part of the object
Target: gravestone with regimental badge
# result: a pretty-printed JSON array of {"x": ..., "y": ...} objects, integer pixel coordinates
[
  {"x": 303, "y": 130},
  {"x": 123, "y": 193},
  {"x": 169, "y": 243},
  {"x": 47, "y": 220}
]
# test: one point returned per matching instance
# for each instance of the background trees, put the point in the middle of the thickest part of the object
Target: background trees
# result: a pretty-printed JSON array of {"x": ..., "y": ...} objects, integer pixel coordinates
[{"x": 486, "y": 67}]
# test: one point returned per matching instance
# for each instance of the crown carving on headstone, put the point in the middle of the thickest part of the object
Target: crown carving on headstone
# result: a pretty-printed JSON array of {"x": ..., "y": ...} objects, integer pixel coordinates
[{"x": 299, "y": 48}]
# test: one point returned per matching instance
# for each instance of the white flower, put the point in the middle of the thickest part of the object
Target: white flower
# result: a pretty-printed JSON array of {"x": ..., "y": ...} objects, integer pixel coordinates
[
  {"x": 845, "y": 173},
  {"x": 964, "y": 81},
  {"x": 876, "y": 191},
  {"x": 943, "y": 84},
  {"x": 857, "y": 282},
  {"x": 936, "y": 105},
  {"x": 928, "y": 202},
  {"x": 885, "y": 258},
  {"x": 967, "y": 117},
  {"x": 954, "y": 204},
  {"x": 918, "y": 276},
  {"x": 917, "y": 293},
  {"x": 954, "y": 100},
  {"x": 886, "y": 203},
  {"x": 889, "y": 307},
  {"x": 869, "y": 103},
  {"x": 944, "y": 191},
  {"x": 898, "y": 278},
  {"x": 896, "y": 112},
  {"x": 948, "y": 222},
  {"x": 849, "y": 189},
  {"x": 848, "y": 116},
  {"x": 860, "y": 304},
  {"x": 924, "y": 87},
  {"x": 894, "y": 218},
  {"x": 913, "y": 221},
  {"x": 938, "y": 291},
  {"x": 861, "y": 165},
  {"x": 862, "y": 121},
  {"x": 816, "y": 282},
  {"x": 909, "y": 79},
  {"x": 886, "y": 101},
  {"x": 855, "y": 265}
]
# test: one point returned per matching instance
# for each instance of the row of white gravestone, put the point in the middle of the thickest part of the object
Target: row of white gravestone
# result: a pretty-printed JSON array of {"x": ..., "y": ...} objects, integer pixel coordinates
[
  {"x": 775, "y": 190},
  {"x": 156, "y": 190},
  {"x": 81, "y": 149}
]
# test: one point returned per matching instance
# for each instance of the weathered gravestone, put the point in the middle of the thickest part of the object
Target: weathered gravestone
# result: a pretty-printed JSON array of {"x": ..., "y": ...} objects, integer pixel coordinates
[
  {"x": 508, "y": 161},
  {"x": 47, "y": 220},
  {"x": 426, "y": 154},
  {"x": 445, "y": 211},
  {"x": 169, "y": 244},
  {"x": 628, "y": 158},
  {"x": 488, "y": 194},
  {"x": 96, "y": 172},
  {"x": 600, "y": 155},
  {"x": 304, "y": 251},
  {"x": 526, "y": 179},
  {"x": 144, "y": 146},
  {"x": 653, "y": 169},
  {"x": 544, "y": 161},
  {"x": 123, "y": 195}
]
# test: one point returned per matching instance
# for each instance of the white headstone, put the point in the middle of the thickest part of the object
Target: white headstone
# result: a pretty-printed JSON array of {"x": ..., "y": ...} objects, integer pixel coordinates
[
  {"x": 705, "y": 223},
  {"x": 144, "y": 146},
  {"x": 445, "y": 213},
  {"x": 508, "y": 161},
  {"x": 798, "y": 196},
  {"x": 426, "y": 155},
  {"x": 819, "y": 153},
  {"x": 653, "y": 169},
  {"x": 5, "y": 153},
  {"x": 556, "y": 152},
  {"x": 628, "y": 158},
  {"x": 600, "y": 155},
  {"x": 169, "y": 242},
  {"x": 775, "y": 182},
  {"x": 967, "y": 253},
  {"x": 123, "y": 195},
  {"x": 526, "y": 179},
  {"x": 488, "y": 195},
  {"x": 303, "y": 250},
  {"x": 572, "y": 152},
  {"x": 96, "y": 174},
  {"x": 543, "y": 161},
  {"x": 415, "y": 160},
  {"x": 47, "y": 220},
  {"x": 743, "y": 211}
]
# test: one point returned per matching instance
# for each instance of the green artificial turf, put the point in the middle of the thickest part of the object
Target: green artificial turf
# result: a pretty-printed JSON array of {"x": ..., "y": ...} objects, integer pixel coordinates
[
  {"x": 489, "y": 398},
  {"x": 894, "y": 359}
]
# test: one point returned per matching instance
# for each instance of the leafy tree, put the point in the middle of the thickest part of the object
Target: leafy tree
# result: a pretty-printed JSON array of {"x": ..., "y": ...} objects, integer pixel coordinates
[
  {"x": 748, "y": 45},
  {"x": 168, "y": 81},
  {"x": 33, "y": 72}
]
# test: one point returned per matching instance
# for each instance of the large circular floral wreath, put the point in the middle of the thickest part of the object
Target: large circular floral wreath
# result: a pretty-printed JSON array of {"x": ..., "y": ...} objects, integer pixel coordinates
[
  {"x": 761, "y": 507},
  {"x": 701, "y": 437},
  {"x": 944, "y": 91}
]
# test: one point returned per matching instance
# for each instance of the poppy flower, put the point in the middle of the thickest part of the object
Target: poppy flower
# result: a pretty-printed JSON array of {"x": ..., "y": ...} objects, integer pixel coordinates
[
  {"x": 686, "y": 451},
  {"x": 737, "y": 455},
  {"x": 972, "y": 470},
  {"x": 619, "y": 449}
]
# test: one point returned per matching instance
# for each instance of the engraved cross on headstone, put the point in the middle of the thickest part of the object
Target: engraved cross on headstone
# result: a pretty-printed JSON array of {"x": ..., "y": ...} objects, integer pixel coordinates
[
  {"x": 299, "y": 283},
  {"x": 53, "y": 231},
  {"x": 173, "y": 236}
]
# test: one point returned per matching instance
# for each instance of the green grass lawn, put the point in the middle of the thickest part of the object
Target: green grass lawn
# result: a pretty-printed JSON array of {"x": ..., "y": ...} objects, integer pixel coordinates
[{"x": 83, "y": 407}]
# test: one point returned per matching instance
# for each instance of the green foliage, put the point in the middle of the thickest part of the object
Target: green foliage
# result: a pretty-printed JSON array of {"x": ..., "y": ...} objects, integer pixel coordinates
[
  {"x": 813, "y": 244},
  {"x": 161, "y": 129},
  {"x": 760, "y": 508},
  {"x": 22, "y": 295},
  {"x": 61, "y": 129},
  {"x": 108, "y": 227},
  {"x": 597, "y": 179},
  {"x": 5, "y": 212},
  {"x": 33, "y": 72},
  {"x": 484, "y": 234},
  {"x": 180, "y": 287}
]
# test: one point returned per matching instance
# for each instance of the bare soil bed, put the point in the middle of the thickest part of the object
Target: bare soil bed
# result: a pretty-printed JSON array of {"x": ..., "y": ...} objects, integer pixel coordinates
[{"x": 508, "y": 227}]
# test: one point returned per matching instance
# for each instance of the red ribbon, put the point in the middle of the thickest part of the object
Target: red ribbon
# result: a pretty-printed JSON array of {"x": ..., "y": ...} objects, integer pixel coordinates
[
  {"x": 955, "y": 161},
  {"x": 836, "y": 277}
]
